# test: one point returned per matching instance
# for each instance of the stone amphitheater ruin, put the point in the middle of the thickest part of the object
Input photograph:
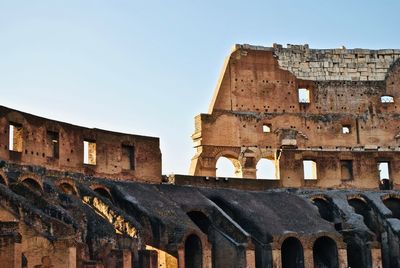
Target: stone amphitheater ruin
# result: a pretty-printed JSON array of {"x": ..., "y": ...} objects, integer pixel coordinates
[{"x": 327, "y": 122}]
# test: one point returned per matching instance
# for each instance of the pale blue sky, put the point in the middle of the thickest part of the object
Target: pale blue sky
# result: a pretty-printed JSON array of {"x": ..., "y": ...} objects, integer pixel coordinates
[{"x": 148, "y": 67}]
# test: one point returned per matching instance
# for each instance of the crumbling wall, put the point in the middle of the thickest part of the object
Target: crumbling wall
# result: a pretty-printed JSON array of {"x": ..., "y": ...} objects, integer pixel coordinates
[
  {"x": 60, "y": 146},
  {"x": 258, "y": 111}
]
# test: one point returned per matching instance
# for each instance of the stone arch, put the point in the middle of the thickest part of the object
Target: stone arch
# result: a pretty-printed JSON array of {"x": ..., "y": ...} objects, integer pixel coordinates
[
  {"x": 361, "y": 207},
  {"x": 102, "y": 191},
  {"x": 392, "y": 202},
  {"x": 67, "y": 186},
  {"x": 292, "y": 253},
  {"x": 325, "y": 253},
  {"x": 3, "y": 178},
  {"x": 233, "y": 158},
  {"x": 325, "y": 208},
  {"x": 193, "y": 252},
  {"x": 32, "y": 181},
  {"x": 267, "y": 168}
]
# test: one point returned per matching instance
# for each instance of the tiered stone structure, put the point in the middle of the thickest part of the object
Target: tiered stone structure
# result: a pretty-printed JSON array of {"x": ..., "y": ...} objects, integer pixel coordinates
[
  {"x": 77, "y": 197},
  {"x": 336, "y": 108}
]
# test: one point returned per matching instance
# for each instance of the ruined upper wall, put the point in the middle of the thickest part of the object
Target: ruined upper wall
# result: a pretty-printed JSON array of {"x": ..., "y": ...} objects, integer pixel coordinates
[
  {"x": 332, "y": 64},
  {"x": 61, "y": 146}
]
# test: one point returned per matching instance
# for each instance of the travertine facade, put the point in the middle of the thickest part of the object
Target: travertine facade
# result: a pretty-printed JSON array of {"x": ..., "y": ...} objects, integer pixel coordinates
[
  {"x": 336, "y": 108},
  {"x": 61, "y": 146}
]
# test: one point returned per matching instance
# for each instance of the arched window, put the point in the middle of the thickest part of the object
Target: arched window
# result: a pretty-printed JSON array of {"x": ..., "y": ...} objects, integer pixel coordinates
[
  {"x": 267, "y": 169},
  {"x": 325, "y": 253},
  {"x": 292, "y": 253},
  {"x": 193, "y": 252},
  {"x": 228, "y": 167}
]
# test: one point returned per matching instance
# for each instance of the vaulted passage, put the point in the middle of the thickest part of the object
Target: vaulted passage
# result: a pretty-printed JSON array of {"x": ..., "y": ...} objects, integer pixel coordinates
[
  {"x": 360, "y": 207},
  {"x": 325, "y": 253},
  {"x": 292, "y": 253},
  {"x": 325, "y": 209},
  {"x": 393, "y": 204},
  {"x": 200, "y": 220},
  {"x": 193, "y": 252},
  {"x": 32, "y": 184},
  {"x": 357, "y": 255}
]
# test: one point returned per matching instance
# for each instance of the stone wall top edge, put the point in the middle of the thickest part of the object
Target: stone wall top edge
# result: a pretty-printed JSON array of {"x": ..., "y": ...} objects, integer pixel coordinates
[
  {"x": 42, "y": 120},
  {"x": 304, "y": 48}
]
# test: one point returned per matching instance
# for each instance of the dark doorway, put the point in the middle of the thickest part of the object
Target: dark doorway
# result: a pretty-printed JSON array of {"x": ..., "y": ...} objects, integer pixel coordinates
[
  {"x": 292, "y": 253},
  {"x": 325, "y": 253},
  {"x": 356, "y": 254},
  {"x": 193, "y": 252}
]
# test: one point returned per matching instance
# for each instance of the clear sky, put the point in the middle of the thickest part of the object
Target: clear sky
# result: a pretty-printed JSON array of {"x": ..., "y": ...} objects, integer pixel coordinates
[{"x": 148, "y": 67}]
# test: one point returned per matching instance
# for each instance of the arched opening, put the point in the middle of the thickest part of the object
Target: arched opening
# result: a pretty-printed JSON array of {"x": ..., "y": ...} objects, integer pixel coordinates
[
  {"x": 68, "y": 188},
  {"x": 193, "y": 252},
  {"x": 267, "y": 169},
  {"x": 325, "y": 253},
  {"x": 325, "y": 209},
  {"x": 32, "y": 184},
  {"x": 228, "y": 167},
  {"x": 393, "y": 204},
  {"x": 200, "y": 220},
  {"x": 361, "y": 208},
  {"x": 356, "y": 254},
  {"x": 292, "y": 253},
  {"x": 104, "y": 193}
]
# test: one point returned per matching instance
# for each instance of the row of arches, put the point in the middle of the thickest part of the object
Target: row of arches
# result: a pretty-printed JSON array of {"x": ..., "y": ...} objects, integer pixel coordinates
[
  {"x": 325, "y": 253},
  {"x": 228, "y": 167},
  {"x": 67, "y": 186}
]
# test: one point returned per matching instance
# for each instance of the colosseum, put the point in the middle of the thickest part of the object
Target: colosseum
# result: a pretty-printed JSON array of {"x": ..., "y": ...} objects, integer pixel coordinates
[{"x": 325, "y": 123}]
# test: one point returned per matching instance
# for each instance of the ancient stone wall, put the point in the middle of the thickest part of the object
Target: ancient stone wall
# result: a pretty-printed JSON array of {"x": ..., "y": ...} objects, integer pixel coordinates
[
  {"x": 259, "y": 111},
  {"x": 61, "y": 146}
]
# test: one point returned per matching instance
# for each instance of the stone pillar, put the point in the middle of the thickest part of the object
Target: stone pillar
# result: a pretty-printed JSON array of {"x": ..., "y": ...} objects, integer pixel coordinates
[
  {"x": 308, "y": 258},
  {"x": 126, "y": 259},
  {"x": 72, "y": 257},
  {"x": 203, "y": 166},
  {"x": 250, "y": 258},
  {"x": 148, "y": 259},
  {"x": 342, "y": 252},
  {"x": 207, "y": 260},
  {"x": 376, "y": 256},
  {"x": 249, "y": 173},
  {"x": 276, "y": 258},
  {"x": 181, "y": 258}
]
